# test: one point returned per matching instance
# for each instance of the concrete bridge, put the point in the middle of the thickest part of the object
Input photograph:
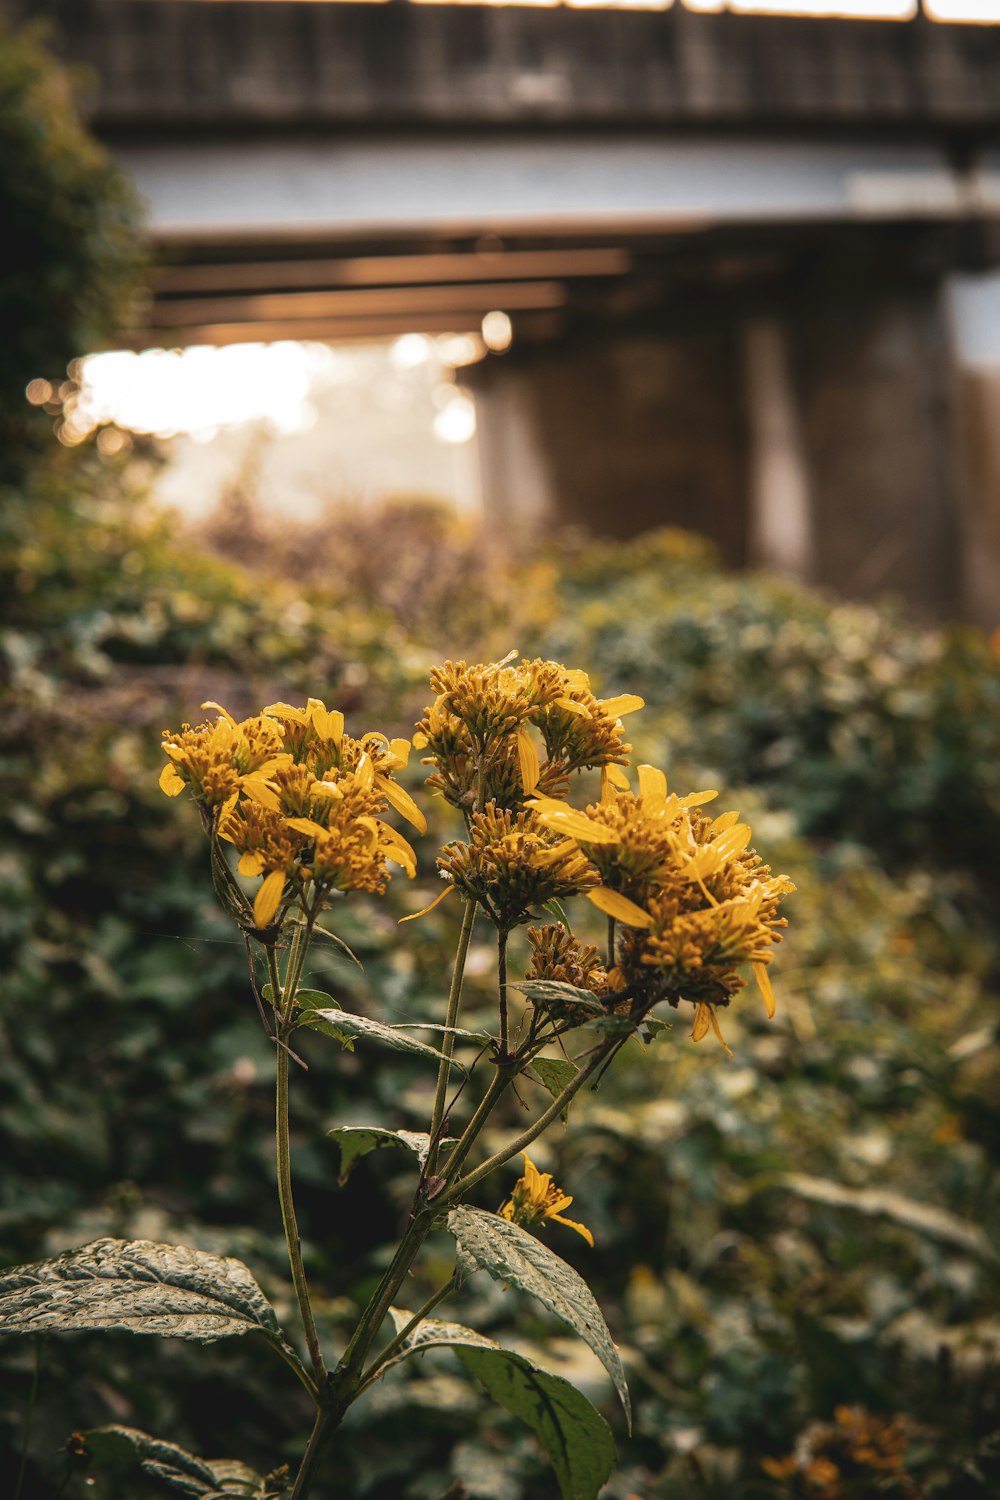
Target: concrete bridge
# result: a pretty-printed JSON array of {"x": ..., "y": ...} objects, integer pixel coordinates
[{"x": 722, "y": 241}]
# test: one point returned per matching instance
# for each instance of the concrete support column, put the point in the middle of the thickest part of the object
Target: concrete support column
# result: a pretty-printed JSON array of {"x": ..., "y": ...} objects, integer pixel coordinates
[
  {"x": 872, "y": 371},
  {"x": 780, "y": 527},
  {"x": 619, "y": 435}
]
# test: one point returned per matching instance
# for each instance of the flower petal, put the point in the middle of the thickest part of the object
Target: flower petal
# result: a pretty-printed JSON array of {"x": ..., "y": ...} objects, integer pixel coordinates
[
  {"x": 401, "y": 800},
  {"x": 714, "y": 1021},
  {"x": 702, "y": 1021},
  {"x": 764, "y": 985},
  {"x": 625, "y": 703},
  {"x": 581, "y": 1229},
  {"x": 219, "y": 709},
  {"x": 527, "y": 757},
  {"x": 171, "y": 780},
  {"x": 258, "y": 791},
  {"x": 269, "y": 898},
  {"x": 425, "y": 909},
  {"x": 620, "y": 907}
]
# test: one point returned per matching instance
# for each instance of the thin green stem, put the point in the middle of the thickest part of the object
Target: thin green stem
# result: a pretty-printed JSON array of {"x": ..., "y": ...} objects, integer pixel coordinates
[
  {"x": 291, "y": 1228},
  {"x": 378, "y": 1365},
  {"x": 29, "y": 1417},
  {"x": 322, "y": 1427},
  {"x": 555, "y": 1109},
  {"x": 448, "y": 1038},
  {"x": 502, "y": 989},
  {"x": 498, "y": 1084}
]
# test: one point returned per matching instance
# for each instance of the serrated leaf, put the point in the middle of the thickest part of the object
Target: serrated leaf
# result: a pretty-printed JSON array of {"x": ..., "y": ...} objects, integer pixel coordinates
[
  {"x": 355, "y": 1141},
  {"x": 180, "y": 1471},
  {"x": 654, "y": 1027},
  {"x": 348, "y": 1028},
  {"x": 479, "y": 1037},
  {"x": 138, "y": 1286},
  {"x": 555, "y": 991},
  {"x": 576, "y": 1437},
  {"x": 554, "y": 1073},
  {"x": 517, "y": 1258}
]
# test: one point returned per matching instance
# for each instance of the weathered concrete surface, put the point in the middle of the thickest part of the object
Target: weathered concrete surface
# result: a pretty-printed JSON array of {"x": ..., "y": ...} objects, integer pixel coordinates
[
  {"x": 625, "y": 434},
  {"x": 874, "y": 391},
  {"x": 644, "y": 431},
  {"x": 187, "y": 64}
]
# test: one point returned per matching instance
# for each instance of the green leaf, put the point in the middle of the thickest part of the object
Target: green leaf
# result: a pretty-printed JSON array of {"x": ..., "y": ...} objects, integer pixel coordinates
[
  {"x": 555, "y": 992},
  {"x": 316, "y": 1000},
  {"x": 576, "y": 1437},
  {"x": 138, "y": 1286},
  {"x": 556, "y": 909},
  {"x": 479, "y": 1037},
  {"x": 517, "y": 1258},
  {"x": 347, "y": 1028},
  {"x": 198, "y": 1478},
  {"x": 554, "y": 1073},
  {"x": 355, "y": 1141},
  {"x": 654, "y": 1028}
]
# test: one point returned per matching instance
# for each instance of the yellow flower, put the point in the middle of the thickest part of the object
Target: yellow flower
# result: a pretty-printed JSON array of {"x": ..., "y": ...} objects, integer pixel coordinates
[
  {"x": 221, "y": 759},
  {"x": 536, "y": 1199},
  {"x": 488, "y": 722},
  {"x": 695, "y": 902}
]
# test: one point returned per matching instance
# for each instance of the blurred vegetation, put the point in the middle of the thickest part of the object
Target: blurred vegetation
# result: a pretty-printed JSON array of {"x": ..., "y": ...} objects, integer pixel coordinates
[
  {"x": 796, "y": 1251},
  {"x": 71, "y": 249}
]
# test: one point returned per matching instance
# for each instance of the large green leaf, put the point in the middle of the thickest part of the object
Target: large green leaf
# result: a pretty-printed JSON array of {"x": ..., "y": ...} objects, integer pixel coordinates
[
  {"x": 138, "y": 1286},
  {"x": 576, "y": 1437},
  {"x": 355, "y": 1141},
  {"x": 177, "y": 1470},
  {"x": 348, "y": 1028},
  {"x": 517, "y": 1258}
]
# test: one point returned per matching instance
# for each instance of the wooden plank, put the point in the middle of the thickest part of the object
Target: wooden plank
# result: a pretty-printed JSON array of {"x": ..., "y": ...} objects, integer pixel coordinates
[
  {"x": 290, "y": 307},
  {"x": 391, "y": 270}
]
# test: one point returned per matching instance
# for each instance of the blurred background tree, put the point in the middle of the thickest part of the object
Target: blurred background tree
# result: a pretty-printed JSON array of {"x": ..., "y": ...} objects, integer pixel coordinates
[{"x": 72, "y": 253}]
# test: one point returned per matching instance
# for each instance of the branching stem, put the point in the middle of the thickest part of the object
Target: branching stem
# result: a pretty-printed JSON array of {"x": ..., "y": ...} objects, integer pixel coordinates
[{"x": 448, "y": 1038}]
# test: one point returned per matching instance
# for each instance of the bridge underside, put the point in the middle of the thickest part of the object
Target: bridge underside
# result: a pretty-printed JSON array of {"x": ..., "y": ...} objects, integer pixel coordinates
[
  {"x": 364, "y": 238},
  {"x": 723, "y": 243}
]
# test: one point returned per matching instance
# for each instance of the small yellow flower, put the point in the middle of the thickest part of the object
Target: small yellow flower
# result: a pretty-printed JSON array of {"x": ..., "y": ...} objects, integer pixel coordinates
[{"x": 536, "y": 1199}]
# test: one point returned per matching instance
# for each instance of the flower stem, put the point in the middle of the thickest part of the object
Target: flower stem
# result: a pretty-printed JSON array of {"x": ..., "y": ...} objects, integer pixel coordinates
[
  {"x": 318, "y": 1438},
  {"x": 292, "y": 1241},
  {"x": 284, "y": 1161},
  {"x": 378, "y": 1365},
  {"x": 506, "y": 1153},
  {"x": 502, "y": 989},
  {"x": 448, "y": 1038}
]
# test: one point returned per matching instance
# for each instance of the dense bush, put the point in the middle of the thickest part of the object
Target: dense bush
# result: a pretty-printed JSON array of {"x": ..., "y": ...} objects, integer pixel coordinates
[{"x": 812, "y": 1218}]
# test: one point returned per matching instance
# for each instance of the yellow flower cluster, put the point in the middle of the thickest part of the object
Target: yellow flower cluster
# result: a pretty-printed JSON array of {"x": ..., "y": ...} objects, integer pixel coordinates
[
  {"x": 536, "y": 1199},
  {"x": 693, "y": 900},
  {"x": 298, "y": 798},
  {"x": 512, "y": 864},
  {"x": 488, "y": 722}
]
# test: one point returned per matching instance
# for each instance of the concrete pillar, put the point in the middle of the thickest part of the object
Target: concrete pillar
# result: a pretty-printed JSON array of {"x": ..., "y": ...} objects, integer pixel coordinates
[
  {"x": 619, "y": 435},
  {"x": 873, "y": 377},
  {"x": 780, "y": 527}
]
